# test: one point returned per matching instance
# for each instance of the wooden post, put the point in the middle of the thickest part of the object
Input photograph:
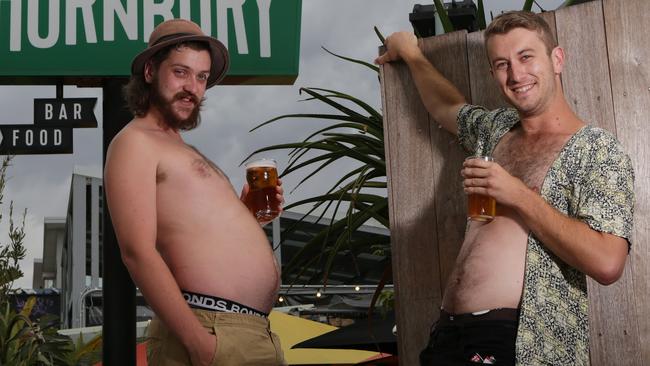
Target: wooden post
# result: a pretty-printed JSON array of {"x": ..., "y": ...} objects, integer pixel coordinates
[{"x": 118, "y": 297}]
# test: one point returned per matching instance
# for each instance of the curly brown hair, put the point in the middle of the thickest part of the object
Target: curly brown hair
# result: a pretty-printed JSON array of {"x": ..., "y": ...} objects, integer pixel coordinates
[{"x": 137, "y": 92}]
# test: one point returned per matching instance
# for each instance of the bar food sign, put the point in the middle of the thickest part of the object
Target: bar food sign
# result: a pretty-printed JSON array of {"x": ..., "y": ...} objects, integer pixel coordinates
[{"x": 98, "y": 38}]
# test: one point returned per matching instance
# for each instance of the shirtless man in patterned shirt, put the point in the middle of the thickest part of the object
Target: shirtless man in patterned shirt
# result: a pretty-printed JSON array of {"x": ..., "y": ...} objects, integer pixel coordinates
[{"x": 564, "y": 192}]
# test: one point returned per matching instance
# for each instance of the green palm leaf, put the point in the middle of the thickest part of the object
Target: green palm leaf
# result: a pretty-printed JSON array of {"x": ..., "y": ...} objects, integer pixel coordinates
[
  {"x": 481, "y": 15},
  {"x": 444, "y": 18},
  {"x": 353, "y": 134},
  {"x": 528, "y": 5},
  {"x": 353, "y": 60}
]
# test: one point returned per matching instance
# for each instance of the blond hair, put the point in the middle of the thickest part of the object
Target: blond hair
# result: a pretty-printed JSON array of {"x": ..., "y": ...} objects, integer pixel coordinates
[{"x": 508, "y": 21}]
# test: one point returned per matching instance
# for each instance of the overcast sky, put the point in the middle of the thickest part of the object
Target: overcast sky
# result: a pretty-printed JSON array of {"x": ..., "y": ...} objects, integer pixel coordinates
[{"x": 41, "y": 183}]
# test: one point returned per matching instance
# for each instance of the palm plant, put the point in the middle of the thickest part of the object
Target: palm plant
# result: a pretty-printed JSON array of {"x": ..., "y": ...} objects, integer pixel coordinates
[
  {"x": 25, "y": 342},
  {"x": 356, "y": 135}
]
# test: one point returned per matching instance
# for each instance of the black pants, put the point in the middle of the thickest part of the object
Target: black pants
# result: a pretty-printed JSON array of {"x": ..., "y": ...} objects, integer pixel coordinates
[{"x": 468, "y": 339}]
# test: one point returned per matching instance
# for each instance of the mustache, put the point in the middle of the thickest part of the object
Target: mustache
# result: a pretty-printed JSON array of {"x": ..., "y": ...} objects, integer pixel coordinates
[{"x": 184, "y": 94}]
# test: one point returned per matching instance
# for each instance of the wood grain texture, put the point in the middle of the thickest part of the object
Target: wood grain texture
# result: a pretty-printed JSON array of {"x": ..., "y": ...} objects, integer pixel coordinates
[
  {"x": 411, "y": 205},
  {"x": 587, "y": 86},
  {"x": 448, "y": 53},
  {"x": 425, "y": 195},
  {"x": 626, "y": 25}
]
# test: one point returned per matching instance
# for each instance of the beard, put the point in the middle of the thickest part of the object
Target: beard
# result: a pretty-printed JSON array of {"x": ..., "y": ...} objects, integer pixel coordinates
[{"x": 169, "y": 116}]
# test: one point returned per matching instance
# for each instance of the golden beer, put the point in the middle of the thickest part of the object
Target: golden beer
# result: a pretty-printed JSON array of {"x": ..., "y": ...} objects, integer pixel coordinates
[
  {"x": 481, "y": 207},
  {"x": 262, "y": 178}
]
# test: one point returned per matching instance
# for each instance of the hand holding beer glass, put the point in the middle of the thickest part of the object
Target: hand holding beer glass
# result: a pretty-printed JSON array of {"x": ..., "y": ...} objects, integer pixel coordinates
[
  {"x": 262, "y": 178},
  {"x": 481, "y": 207}
]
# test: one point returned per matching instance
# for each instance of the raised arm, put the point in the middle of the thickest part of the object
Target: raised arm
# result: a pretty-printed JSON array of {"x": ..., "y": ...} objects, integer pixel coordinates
[
  {"x": 440, "y": 97},
  {"x": 130, "y": 183}
]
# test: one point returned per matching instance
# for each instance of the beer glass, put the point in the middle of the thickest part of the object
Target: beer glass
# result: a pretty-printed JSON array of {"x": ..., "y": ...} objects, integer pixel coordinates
[
  {"x": 262, "y": 178},
  {"x": 481, "y": 207}
]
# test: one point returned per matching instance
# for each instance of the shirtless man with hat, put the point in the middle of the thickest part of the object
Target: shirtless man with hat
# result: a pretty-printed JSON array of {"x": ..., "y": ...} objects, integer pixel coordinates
[{"x": 197, "y": 254}]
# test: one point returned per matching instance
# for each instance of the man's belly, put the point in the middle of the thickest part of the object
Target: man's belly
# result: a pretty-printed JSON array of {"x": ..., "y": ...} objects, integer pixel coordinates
[
  {"x": 241, "y": 269},
  {"x": 489, "y": 269}
]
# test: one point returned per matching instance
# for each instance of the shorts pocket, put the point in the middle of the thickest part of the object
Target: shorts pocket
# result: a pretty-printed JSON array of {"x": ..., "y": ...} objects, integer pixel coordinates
[
  {"x": 155, "y": 338},
  {"x": 279, "y": 354},
  {"x": 218, "y": 347}
]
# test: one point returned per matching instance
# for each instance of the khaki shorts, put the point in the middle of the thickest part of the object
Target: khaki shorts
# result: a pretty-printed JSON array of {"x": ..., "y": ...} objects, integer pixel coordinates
[{"x": 242, "y": 339}]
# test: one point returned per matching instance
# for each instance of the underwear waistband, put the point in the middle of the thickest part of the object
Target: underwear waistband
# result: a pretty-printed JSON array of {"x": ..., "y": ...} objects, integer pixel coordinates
[
  {"x": 214, "y": 303},
  {"x": 500, "y": 314}
]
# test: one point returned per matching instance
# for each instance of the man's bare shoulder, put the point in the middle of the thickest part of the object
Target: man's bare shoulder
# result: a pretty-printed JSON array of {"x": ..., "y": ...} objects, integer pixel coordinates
[
  {"x": 135, "y": 136},
  {"x": 136, "y": 149}
]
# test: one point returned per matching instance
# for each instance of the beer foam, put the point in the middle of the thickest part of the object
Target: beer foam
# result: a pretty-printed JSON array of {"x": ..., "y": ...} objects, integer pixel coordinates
[{"x": 266, "y": 163}]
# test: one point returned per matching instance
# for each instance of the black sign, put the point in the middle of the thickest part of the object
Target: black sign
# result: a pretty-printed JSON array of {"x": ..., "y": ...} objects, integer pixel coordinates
[
  {"x": 68, "y": 112},
  {"x": 29, "y": 139}
]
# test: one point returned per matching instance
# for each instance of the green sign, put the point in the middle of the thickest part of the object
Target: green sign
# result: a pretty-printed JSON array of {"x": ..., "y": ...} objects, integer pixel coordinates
[{"x": 44, "y": 40}]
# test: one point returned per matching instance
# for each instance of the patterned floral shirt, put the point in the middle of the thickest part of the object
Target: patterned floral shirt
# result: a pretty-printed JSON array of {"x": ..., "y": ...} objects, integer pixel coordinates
[{"x": 592, "y": 180}]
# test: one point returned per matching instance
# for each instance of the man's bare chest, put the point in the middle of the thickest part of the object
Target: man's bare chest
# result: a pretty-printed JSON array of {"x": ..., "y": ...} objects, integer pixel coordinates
[
  {"x": 189, "y": 169},
  {"x": 529, "y": 159}
]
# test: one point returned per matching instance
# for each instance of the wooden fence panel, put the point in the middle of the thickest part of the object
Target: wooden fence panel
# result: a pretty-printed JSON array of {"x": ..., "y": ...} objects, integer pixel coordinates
[
  {"x": 586, "y": 83},
  {"x": 628, "y": 40},
  {"x": 484, "y": 89},
  {"x": 416, "y": 186},
  {"x": 414, "y": 247},
  {"x": 585, "y": 78},
  {"x": 448, "y": 54}
]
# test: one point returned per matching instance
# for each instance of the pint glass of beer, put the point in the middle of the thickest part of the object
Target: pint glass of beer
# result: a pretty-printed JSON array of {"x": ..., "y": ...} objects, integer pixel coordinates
[
  {"x": 481, "y": 207},
  {"x": 262, "y": 178}
]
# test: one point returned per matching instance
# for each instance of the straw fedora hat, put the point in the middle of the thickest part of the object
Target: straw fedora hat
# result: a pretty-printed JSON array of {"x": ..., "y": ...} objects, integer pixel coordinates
[{"x": 175, "y": 31}]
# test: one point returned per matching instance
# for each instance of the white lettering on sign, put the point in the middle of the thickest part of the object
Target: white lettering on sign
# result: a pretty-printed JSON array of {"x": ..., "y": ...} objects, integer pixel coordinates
[
  {"x": 150, "y": 10},
  {"x": 71, "y": 7},
  {"x": 77, "y": 111},
  {"x": 16, "y": 26},
  {"x": 125, "y": 12},
  {"x": 206, "y": 16},
  {"x": 49, "y": 108},
  {"x": 44, "y": 136},
  {"x": 128, "y": 17},
  {"x": 240, "y": 28},
  {"x": 53, "y": 24},
  {"x": 57, "y": 137},
  {"x": 62, "y": 113},
  {"x": 185, "y": 10},
  {"x": 264, "y": 7},
  {"x": 29, "y": 137}
]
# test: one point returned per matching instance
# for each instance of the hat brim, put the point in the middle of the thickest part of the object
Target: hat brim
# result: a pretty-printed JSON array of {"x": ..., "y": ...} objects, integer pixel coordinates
[{"x": 218, "y": 53}]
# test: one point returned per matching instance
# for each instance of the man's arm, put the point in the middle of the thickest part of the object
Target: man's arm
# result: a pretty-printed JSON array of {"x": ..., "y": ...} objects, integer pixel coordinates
[
  {"x": 130, "y": 183},
  {"x": 599, "y": 255},
  {"x": 440, "y": 97}
]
